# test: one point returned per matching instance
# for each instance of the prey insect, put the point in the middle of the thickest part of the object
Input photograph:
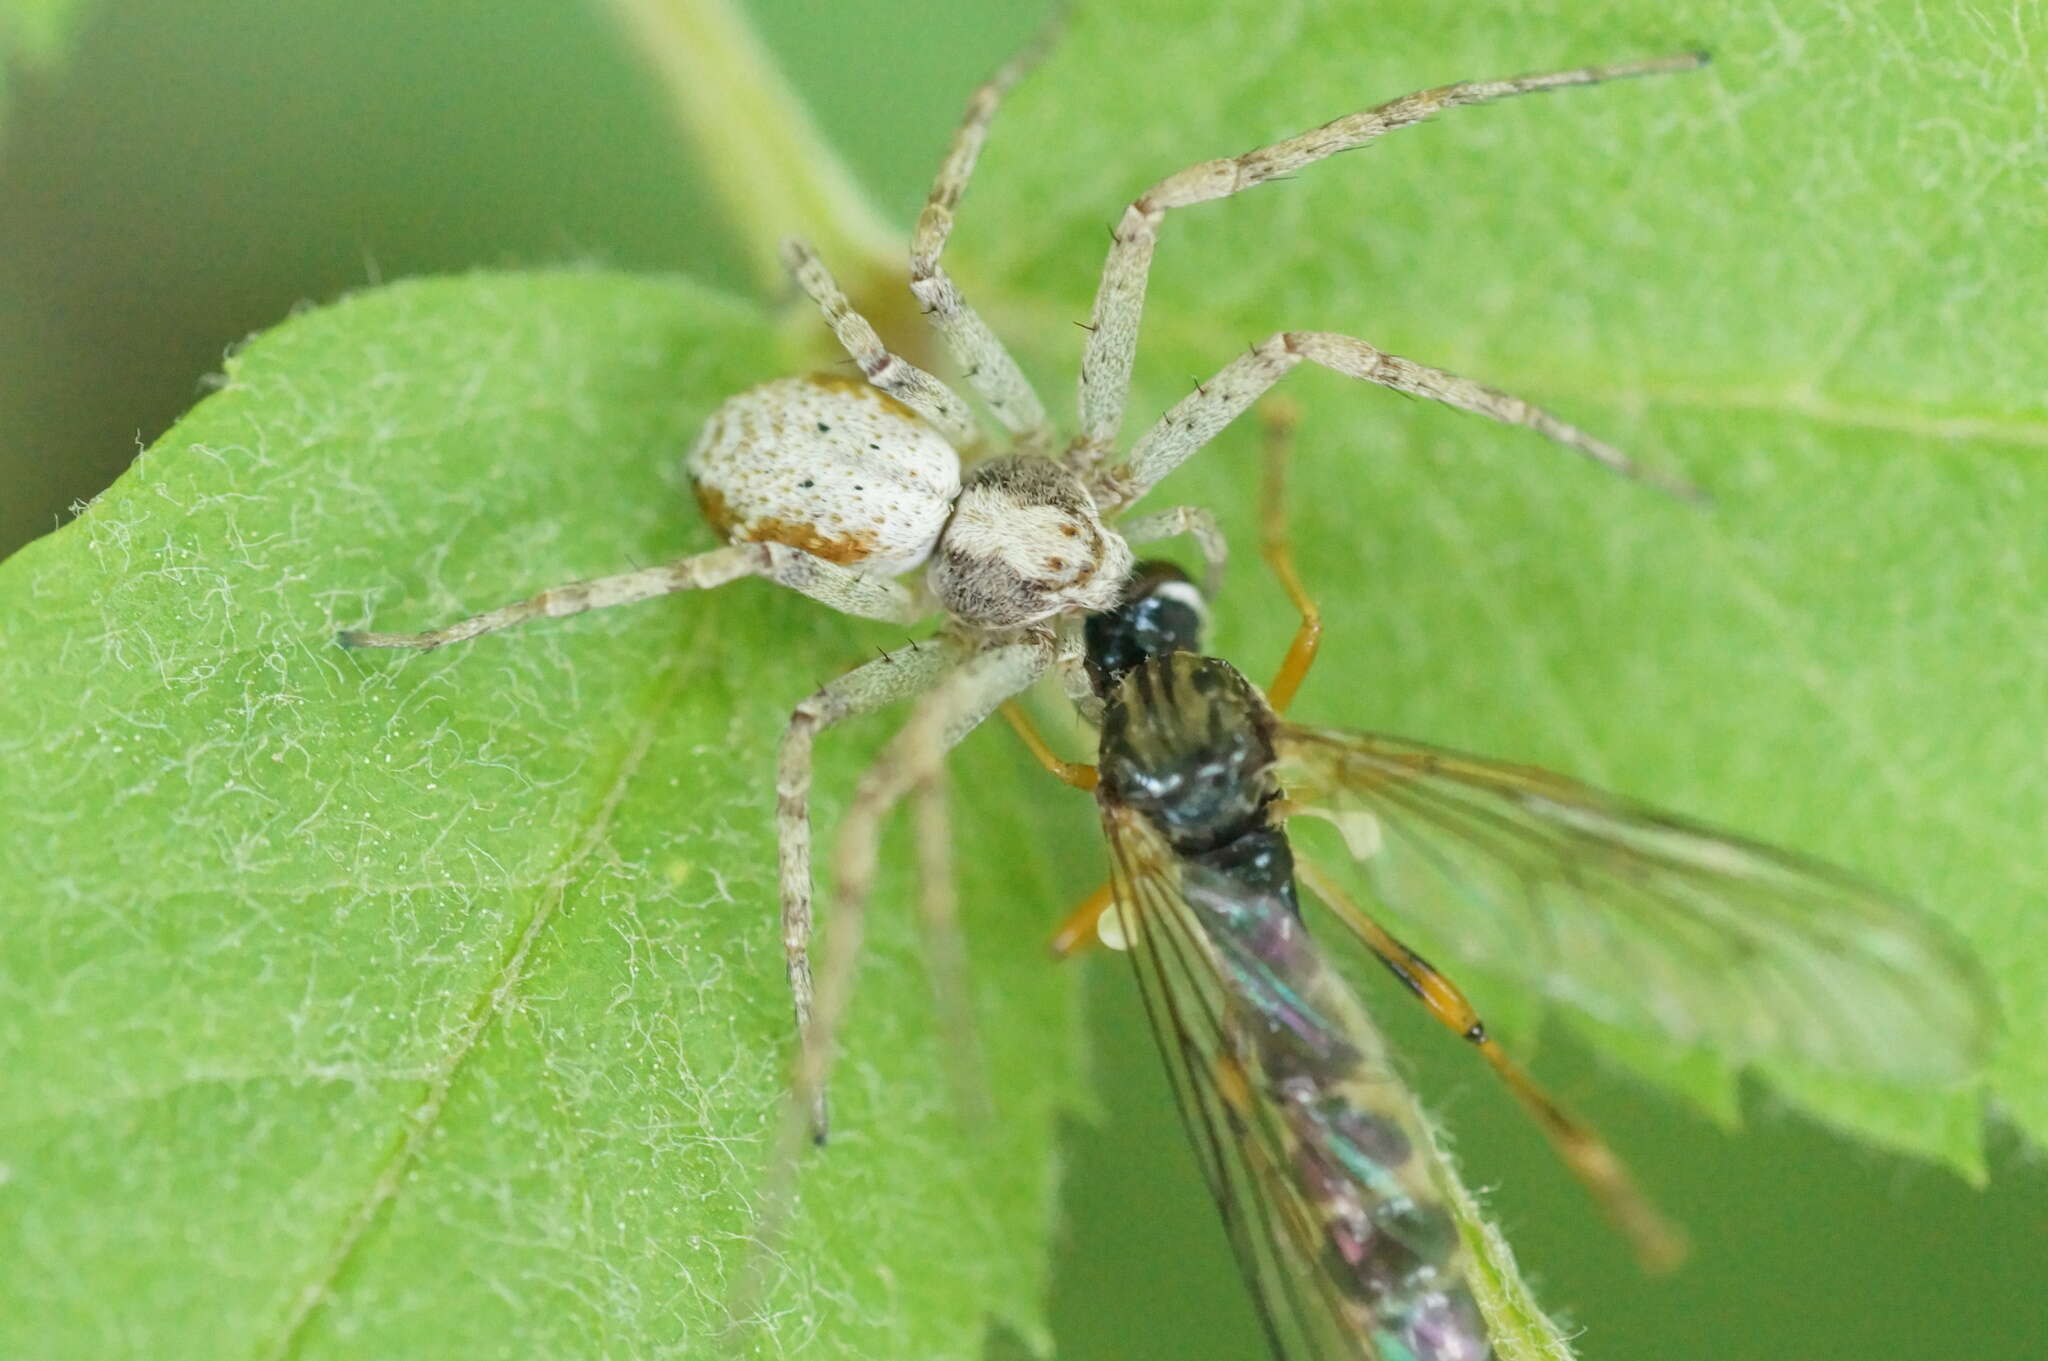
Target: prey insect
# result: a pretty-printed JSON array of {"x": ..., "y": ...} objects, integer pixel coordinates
[
  {"x": 1312, "y": 1146},
  {"x": 835, "y": 486}
]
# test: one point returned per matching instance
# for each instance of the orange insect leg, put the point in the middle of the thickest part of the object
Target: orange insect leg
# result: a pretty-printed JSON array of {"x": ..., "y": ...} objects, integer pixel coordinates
[
  {"x": 1274, "y": 546},
  {"x": 1078, "y": 931},
  {"x": 1078, "y": 774},
  {"x": 1659, "y": 1245}
]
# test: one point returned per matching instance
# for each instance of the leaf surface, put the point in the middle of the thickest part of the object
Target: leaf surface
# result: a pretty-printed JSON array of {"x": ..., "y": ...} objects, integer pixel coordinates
[{"x": 354, "y": 998}]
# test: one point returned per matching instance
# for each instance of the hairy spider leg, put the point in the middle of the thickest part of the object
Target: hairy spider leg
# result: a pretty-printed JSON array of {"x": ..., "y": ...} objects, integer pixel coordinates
[
  {"x": 826, "y": 582},
  {"x": 874, "y": 685},
  {"x": 1196, "y": 419},
  {"x": 956, "y": 693},
  {"x": 1195, "y": 522},
  {"x": 983, "y": 358},
  {"x": 950, "y": 710},
  {"x": 1111, "y": 349},
  {"x": 922, "y": 392},
  {"x": 938, "y": 902}
]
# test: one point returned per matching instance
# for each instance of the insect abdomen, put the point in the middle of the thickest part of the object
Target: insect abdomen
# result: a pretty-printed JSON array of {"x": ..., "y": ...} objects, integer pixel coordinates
[
  {"x": 1395, "y": 1253},
  {"x": 1358, "y": 1154}
]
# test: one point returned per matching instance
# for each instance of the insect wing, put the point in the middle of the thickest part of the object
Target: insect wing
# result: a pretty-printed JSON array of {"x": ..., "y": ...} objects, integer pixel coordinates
[
  {"x": 1643, "y": 920},
  {"x": 1308, "y": 1142}
]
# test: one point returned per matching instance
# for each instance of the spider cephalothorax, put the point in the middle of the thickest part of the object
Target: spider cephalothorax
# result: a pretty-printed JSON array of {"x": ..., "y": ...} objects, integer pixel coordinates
[{"x": 1026, "y": 543}]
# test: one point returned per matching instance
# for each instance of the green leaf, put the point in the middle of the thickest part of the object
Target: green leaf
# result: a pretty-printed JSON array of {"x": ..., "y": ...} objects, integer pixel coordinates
[
  {"x": 1794, "y": 277},
  {"x": 449, "y": 986},
  {"x": 1521, "y": 1331},
  {"x": 356, "y": 998}
]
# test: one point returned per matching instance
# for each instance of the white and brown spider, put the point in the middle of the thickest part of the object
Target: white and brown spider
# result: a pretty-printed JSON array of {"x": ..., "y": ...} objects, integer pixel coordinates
[{"x": 837, "y": 487}]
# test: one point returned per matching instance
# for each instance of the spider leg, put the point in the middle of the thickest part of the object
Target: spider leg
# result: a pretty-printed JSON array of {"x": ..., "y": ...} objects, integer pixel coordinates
[
  {"x": 1659, "y": 1246},
  {"x": 897, "y": 675},
  {"x": 827, "y": 582},
  {"x": 1120, "y": 300},
  {"x": 909, "y": 671},
  {"x": 1071, "y": 661},
  {"x": 938, "y": 904},
  {"x": 952, "y": 708},
  {"x": 1198, "y": 524},
  {"x": 892, "y": 373},
  {"x": 1197, "y": 418},
  {"x": 974, "y": 345}
]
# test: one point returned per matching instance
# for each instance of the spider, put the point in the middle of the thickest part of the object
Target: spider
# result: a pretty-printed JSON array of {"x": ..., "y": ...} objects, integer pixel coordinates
[{"x": 836, "y": 487}]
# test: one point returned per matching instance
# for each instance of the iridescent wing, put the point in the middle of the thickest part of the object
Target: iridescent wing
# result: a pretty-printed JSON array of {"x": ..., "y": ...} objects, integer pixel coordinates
[
  {"x": 1327, "y": 1197},
  {"x": 1642, "y": 920}
]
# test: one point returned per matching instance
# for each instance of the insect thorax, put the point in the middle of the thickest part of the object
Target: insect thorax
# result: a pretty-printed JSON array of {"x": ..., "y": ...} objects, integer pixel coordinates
[
  {"x": 1026, "y": 543},
  {"x": 1187, "y": 741},
  {"x": 830, "y": 465}
]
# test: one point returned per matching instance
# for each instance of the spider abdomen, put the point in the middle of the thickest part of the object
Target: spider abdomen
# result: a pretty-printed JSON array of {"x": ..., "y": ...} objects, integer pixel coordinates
[{"x": 827, "y": 464}]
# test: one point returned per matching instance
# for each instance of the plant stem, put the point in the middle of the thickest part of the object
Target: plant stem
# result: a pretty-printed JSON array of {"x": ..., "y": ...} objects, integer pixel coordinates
[{"x": 763, "y": 155}]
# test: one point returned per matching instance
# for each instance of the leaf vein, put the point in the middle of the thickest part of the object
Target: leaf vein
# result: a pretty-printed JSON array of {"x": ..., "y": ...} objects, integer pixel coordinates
[{"x": 494, "y": 1002}]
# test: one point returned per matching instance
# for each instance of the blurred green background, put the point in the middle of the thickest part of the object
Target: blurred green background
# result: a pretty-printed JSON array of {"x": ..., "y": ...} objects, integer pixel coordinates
[{"x": 192, "y": 170}]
